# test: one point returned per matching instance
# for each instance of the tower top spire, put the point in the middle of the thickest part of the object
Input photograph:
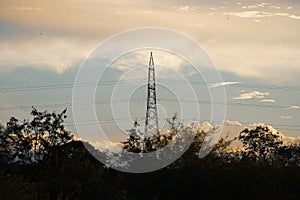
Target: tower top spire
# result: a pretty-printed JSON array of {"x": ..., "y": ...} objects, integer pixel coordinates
[{"x": 151, "y": 122}]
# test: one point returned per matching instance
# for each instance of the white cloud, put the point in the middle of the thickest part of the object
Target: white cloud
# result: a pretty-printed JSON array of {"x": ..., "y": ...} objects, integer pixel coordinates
[
  {"x": 291, "y": 140},
  {"x": 206, "y": 127},
  {"x": 294, "y": 16},
  {"x": 267, "y": 100},
  {"x": 248, "y": 14},
  {"x": 213, "y": 85},
  {"x": 26, "y": 8},
  {"x": 107, "y": 145},
  {"x": 252, "y": 95},
  {"x": 231, "y": 40},
  {"x": 255, "y": 61},
  {"x": 261, "y": 5},
  {"x": 286, "y": 117},
  {"x": 168, "y": 65},
  {"x": 232, "y": 123},
  {"x": 294, "y": 107},
  {"x": 285, "y": 139},
  {"x": 271, "y": 128},
  {"x": 275, "y": 7},
  {"x": 185, "y": 8},
  {"x": 251, "y": 6},
  {"x": 141, "y": 57},
  {"x": 56, "y": 54},
  {"x": 259, "y": 14}
]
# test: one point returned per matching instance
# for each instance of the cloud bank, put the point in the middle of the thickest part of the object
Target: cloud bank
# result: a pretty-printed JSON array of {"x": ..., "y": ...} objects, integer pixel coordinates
[
  {"x": 252, "y": 95},
  {"x": 213, "y": 85},
  {"x": 267, "y": 101}
]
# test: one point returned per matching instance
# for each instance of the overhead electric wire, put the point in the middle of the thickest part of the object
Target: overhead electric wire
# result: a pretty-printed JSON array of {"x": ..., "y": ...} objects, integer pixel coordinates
[
  {"x": 243, "y": 124},
  {"x": 257, "y": 58},
  {"x": 138, "y": 100},
  {"x": 135, "y": 81}
]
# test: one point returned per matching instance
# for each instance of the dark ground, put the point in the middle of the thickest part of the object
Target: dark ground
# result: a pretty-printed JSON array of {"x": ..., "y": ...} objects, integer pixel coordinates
[{"x": 80, "y": 176}]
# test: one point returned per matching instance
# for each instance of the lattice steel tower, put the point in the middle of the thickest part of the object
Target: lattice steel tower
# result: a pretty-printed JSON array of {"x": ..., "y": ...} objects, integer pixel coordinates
[{"x": 151, "y": 122}]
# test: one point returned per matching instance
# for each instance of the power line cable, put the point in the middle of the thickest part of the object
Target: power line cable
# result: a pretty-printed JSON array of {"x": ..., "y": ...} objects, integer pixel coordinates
[{"x": 136, "y": 81}]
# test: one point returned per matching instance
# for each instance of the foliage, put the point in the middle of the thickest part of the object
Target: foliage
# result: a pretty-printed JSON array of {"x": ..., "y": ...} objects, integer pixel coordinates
[
  {"x": 71, "y": 172},
  {"x": 288, "y": 155},
  {"x": 77, "y": 175},
  {"x": 177, "y": 137},
  {"x": 136, "y": 143},
  {"x": 262, "y": 142},
  {"x": 31, "y": 141}
]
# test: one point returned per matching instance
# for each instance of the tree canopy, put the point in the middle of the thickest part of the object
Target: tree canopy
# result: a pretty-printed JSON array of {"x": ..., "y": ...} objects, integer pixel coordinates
[{"x": 32, "y": 140}]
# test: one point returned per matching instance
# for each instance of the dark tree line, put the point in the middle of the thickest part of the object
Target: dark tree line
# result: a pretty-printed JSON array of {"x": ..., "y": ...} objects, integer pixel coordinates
[
  {"x": 32, "y": 140},
  {"x": 137, "y": 143},
  {"x": 262, "y": 145},
  {"x": 71, "y": 172}
]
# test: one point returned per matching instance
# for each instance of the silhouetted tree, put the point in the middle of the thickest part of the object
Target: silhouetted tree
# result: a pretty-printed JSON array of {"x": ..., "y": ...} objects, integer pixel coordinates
[
  {"x": 48, "y": 131},
  {"x": 176, "y": 138},
  {"x": 18, "y": 142},
  {"x": 261, "y": 142},
  {"x": 137, "y": 143},
  {"x": 288, "y": 155},
  {"x": 134, "y": 142},
  {"x": 4, "y": 151},
  {"x": 31, "y": 141}
]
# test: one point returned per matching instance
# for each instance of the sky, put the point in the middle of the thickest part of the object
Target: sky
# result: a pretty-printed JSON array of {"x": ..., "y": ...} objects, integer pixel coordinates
[{"x": 254, "y": 44}]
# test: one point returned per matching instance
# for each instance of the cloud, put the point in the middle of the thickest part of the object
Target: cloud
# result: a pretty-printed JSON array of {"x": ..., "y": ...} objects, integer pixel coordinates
[
  {"x": 255, "y": 62},
  {"x": 141, "y": 57},
  {"x": 56, "y": 54},
  {"x": 213, "y": 85},
  {"x": 294, "y": 107},
  {"x": 294, "y": 16},
  {"x": 206, "y": 127},
  {"x": 285, "y": 139},
  {"x": 261, "y": 5},
  {"x": 252, "y": 95},
  {"x": 286, "y": 117},
  {"x": 259, "y": 14},
  {"x": 268, "y": 101},
  {"x": 247, "y": 14},
  {"x": 26, "y": 8},
  {"x": 107, "y": 145},
  {"x": 232, "y": 123},
  {"x": 272, "y": 40},
  {"x": 185, "y": 8},
  {"x": 291, "y": 140},
  {"x": 275, "y": 7},
  {"x": 271, "y": 128},
  {"x": 168, "y": 65}
]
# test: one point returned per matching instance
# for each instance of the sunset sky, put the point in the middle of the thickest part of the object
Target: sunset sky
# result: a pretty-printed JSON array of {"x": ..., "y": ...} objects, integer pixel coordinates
[{"x": 254, "y": 44}]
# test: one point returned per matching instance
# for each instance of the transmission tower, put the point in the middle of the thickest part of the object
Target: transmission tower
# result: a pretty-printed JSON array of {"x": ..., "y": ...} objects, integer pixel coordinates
[{"x": 151, "y": 122}]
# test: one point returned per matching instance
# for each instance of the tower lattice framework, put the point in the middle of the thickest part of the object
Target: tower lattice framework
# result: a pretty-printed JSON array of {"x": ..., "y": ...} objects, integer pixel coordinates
[{"x": 151, "y": 121}]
